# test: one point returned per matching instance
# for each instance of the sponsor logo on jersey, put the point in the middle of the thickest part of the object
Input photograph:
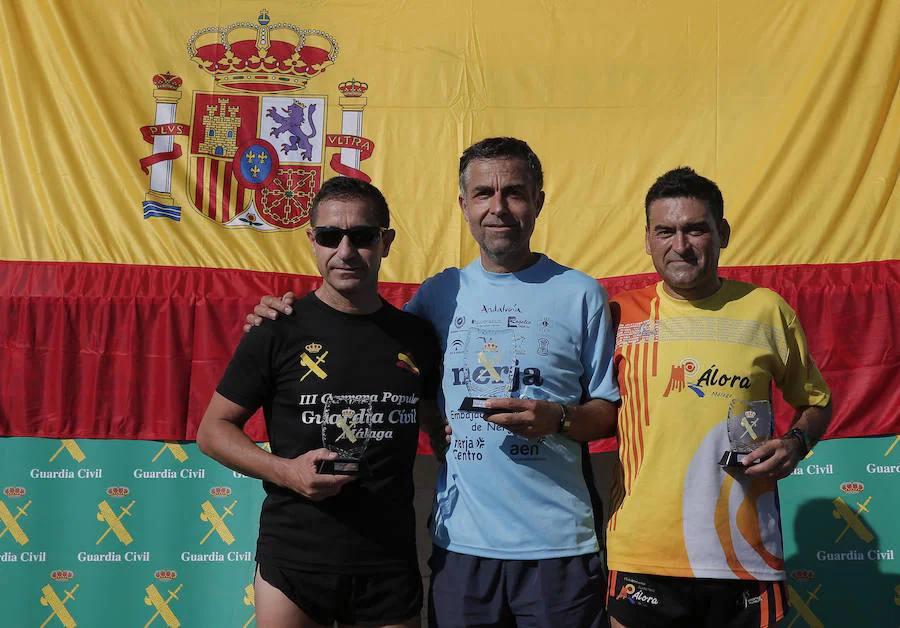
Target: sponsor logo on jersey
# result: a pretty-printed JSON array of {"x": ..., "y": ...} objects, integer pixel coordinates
[
  {"x": 313, "y": 365},
  {"x": 687, "y": 375},
  {"x": 407, "y": 363},
  {"x": 637, "y": 594}
]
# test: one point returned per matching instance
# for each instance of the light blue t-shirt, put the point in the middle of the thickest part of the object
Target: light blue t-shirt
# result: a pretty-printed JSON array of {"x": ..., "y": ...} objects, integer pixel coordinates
[{"x": 541, "y": 333}]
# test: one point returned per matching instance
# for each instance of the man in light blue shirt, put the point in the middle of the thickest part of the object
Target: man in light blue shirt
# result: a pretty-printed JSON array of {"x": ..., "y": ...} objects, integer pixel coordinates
[{"x": 516, "y": 517}]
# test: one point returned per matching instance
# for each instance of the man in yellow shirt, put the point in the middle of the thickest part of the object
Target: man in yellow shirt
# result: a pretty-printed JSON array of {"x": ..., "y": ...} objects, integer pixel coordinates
[{"x": 695, "y": 536}]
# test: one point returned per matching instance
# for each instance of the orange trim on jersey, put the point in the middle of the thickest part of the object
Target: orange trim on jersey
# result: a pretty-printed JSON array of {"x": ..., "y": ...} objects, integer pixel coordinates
[
  {"x": 723, "y": 530},
  {"x": 747, "y": 522},
  {"x": 635, "y": 362}
]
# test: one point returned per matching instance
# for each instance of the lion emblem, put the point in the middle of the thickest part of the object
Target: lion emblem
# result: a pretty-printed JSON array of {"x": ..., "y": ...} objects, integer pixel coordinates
[{"x": 292, "y": 123}]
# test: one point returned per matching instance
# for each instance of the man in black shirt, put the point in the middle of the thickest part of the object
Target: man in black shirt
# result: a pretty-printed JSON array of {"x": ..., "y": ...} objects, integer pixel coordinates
[{"x": 345, "y": 368}]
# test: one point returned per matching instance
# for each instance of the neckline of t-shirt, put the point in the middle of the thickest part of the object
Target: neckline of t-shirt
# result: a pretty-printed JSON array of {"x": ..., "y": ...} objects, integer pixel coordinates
[
  {"x": 320, "y": 304},
  {"x": 703, "y": 303},
  {"x": 525, "y": 273}
]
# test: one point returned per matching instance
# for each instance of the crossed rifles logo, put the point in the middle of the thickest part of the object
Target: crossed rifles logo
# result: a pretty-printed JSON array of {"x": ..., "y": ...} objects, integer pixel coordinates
[
  {"x": 177, "y": 451},
  {"x": 853, "y": 522},
  {"x": 313, "y": 365},
  {"x": 489, "y": 364},
  {"x": 217, "y": 521},
  {"x": 114, "y": 522},
  {"x": 58, "y": 606},
  {"x": 250, "y": 600},
  {"x": 803, "y": 607},
  {"x": 11, "y": 523},
  {"x": 155, "y": 599},
  {"x": 72, "y": 447}
]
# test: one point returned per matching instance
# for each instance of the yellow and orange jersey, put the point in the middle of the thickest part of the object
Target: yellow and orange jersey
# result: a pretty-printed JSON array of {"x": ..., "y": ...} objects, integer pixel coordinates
[{"x": 680, "y": 364}]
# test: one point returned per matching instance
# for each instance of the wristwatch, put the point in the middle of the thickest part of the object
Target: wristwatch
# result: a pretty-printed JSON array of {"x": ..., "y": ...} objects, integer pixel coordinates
[
  {"x": 802, "y": 438},
  {"x": 565, "y": 422}
]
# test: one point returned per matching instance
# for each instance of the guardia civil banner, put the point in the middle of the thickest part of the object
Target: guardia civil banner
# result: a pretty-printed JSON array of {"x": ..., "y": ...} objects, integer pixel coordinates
[
  {"x": 118, "y": 533},
  {"x": 842, "y": 542}
]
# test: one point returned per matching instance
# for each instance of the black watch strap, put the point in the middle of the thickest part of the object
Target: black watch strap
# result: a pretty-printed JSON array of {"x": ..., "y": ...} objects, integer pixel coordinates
[
  {"x": 565, "y": 422},
  {"x": 803, "y": 438}
]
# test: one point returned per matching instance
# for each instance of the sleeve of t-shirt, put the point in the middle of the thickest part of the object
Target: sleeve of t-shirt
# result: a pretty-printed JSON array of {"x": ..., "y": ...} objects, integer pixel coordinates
[
  {"x": 801, "y": 382},
  {"x": 419, "y": 303},
  {"x": 599, "y": 381},
  {"x": 248, "y": 377}
]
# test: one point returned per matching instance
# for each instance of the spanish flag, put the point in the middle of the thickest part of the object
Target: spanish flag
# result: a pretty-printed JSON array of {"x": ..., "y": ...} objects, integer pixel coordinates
[{"x": 159, "y": 159}]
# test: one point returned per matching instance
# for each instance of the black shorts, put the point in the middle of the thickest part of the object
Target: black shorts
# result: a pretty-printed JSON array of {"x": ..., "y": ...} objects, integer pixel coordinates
[
  {"x": 647, "y": 601},
  {"x": 364, "y": 600}
]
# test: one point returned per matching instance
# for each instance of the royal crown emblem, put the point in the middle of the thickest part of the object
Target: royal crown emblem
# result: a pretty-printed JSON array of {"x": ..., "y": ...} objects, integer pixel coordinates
[
  {"x": 257, "y": 145},
  {"x": 220, "y": 491},
  {"x": 118, "y": 491},
  {"x": 165, "y": 575},
  {"x": 313, "y": 347},
  {"x": 852, "y": 488},
  {"x": 62, "y": 575},
  {"x": 262, "y": 57},
  {"x": 14, "y": 491}
]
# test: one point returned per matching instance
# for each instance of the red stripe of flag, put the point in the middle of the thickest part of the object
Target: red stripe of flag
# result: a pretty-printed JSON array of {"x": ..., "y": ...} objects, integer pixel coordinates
[
  {"x": 198, "y": 190},
  {"x": 226, "y": 194},
  {"x": 213, "y": 175}
]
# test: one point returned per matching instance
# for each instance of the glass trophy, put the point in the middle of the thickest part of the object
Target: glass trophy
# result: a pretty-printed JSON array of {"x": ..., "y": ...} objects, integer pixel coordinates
[
  {"x": 749, "y": 425},
  {"x": 345, "y": 431},
  {"x": 490, "y": 362}
]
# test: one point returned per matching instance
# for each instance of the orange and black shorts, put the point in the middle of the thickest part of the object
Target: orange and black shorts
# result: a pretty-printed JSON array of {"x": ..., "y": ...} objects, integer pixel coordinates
[{"x": 648, "y": 601}]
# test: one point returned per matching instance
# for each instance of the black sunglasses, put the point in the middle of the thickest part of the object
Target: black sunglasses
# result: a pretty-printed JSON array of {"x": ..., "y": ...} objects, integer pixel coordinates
[{"x": 360, "y": 237}]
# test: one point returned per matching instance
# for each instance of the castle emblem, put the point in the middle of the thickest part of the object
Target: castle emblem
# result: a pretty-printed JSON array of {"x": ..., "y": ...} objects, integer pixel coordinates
[{"x": 257, "y": 145}]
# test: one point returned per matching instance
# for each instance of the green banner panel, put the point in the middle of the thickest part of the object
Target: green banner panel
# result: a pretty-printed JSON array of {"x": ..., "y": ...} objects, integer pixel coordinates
[
  {"x": 143, "y": 533},
  {"x": 124, "y": 533},
  {"x": 840, "y": 512}
]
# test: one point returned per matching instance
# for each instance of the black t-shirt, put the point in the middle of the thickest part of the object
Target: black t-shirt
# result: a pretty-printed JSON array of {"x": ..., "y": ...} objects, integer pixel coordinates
[{"x": 319, "y": 359}]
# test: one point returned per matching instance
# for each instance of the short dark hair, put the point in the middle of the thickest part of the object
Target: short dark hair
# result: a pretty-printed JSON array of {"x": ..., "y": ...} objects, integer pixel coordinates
[
  {"x": 683, "y": 182},
  {"x": 502, "y": 148},
  {"x": 346, "y": 188}
]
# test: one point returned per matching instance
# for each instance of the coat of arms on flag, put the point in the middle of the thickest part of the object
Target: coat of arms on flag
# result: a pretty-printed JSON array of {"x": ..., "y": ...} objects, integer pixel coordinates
[{"x": 256, "y": 147}]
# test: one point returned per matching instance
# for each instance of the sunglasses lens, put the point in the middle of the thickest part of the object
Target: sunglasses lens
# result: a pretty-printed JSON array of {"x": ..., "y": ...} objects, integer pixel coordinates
[
  {"x": 360, "y": 237},
  {"x": 329, "y": 237},
  {"x": 363, "y": 237}
]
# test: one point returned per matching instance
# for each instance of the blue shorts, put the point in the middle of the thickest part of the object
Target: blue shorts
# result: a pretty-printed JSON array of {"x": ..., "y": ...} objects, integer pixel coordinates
[{"x": 471, "y": 592}]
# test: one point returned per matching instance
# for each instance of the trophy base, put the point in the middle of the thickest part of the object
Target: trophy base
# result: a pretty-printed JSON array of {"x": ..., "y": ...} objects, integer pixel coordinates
[
  {"x": 342, "y": 466},
  {"x": 476, "y": 404},
  {"x": 733, "y": 459}
]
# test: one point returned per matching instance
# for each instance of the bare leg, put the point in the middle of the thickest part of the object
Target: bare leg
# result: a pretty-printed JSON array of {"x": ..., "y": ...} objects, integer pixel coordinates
[{"x": 275, "y": 610}]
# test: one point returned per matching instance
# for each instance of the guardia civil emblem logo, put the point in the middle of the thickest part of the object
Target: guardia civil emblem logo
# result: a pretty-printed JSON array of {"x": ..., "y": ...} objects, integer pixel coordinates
[{"x": 257, "y": 145}]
